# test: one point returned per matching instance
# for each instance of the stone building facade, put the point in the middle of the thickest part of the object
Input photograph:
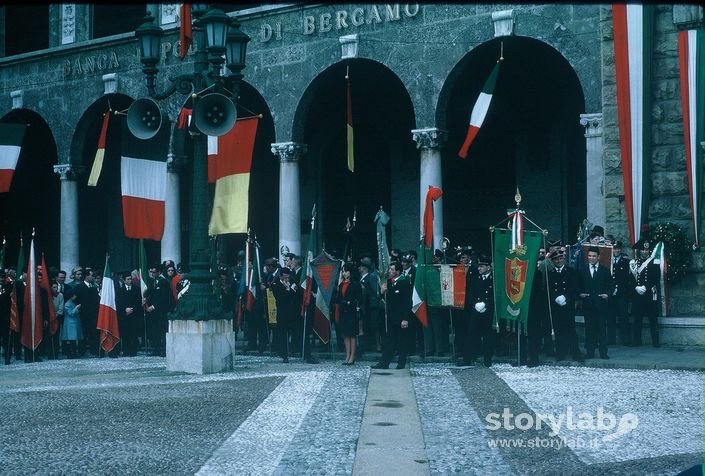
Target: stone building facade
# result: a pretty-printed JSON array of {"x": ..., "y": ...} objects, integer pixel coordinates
[{"x": 414, "y": 70}]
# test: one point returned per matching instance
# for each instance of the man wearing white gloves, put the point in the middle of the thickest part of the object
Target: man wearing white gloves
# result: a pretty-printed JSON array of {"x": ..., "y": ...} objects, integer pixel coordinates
[
  {"x": 646, "y": 275},
  {"x": 480, "y": 298},
  {"x": 563, "y": 289}
]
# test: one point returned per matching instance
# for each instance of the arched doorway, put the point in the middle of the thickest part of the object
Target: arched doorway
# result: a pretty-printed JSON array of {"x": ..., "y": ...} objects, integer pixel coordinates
[
  {"x": 100, "y": 207},
  {"x": 531, "y": 139},
  {"x": 33, "y": 199},
  {"x": 386, "y": 161}
]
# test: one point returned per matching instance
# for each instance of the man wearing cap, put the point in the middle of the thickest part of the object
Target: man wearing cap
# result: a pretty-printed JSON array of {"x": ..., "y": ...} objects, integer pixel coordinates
[
  {"x": 619, "y": 299},
  {"x": 371, "y": 306},
  {"x": 480, "y": 297},
  {"x": 288, "y": 298},
  {"x": 460, "y": 317},
  {"x": 595, "y": 288},
  {"x": 397, "y": 291},
  {"x": 645, "y": 279},
  {"x": 562, "y": 291}
]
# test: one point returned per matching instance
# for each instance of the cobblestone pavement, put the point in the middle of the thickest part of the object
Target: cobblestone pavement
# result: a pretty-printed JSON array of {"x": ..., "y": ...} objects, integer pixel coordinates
[{"x": 131, "y": 416}]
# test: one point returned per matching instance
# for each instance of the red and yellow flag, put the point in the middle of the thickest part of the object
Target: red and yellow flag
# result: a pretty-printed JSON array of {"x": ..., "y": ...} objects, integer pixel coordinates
[
  {"x": 232, "y": 174},
  {"x": 100, "y": 152}
]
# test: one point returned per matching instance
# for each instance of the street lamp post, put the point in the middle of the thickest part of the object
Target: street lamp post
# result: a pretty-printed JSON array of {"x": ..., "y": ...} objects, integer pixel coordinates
[{"x": 198, "y": 314}]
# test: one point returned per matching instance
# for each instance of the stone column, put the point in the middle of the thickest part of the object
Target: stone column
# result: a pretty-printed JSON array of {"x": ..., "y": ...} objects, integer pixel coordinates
[
  {"x": 68, "y": 220},
  {"x": 289, "y": 154},
  {"x": 171, "y": 241},
  {"x": 595, "y": 169},
  {"x": 430, "y": 141}
]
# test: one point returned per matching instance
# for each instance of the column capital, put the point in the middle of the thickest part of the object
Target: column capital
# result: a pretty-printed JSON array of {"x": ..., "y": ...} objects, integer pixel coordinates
[
  {"x": 429, "y": 138},
  {"x": 69, "y": 171},
  {"x": 592, "y": 123},
  {"x": 289, "y": 151}
]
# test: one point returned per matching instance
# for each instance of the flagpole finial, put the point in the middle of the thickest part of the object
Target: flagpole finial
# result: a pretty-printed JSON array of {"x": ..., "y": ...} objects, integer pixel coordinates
[
  {"x": 354, "y": 220},
  {"x": 517, "y": 197},
  {"x": 501, "y": 51},
  {"x": 347, "y": 225},
  {"x": 33, "y": 232}
]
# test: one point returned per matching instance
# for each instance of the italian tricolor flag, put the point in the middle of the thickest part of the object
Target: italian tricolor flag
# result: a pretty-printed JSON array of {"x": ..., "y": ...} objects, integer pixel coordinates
[
  {"x": 633, "y": 31},
  {"x": 691, "y": 56},
  {"x": 107, "y": 312},
  {"x": 143, "y": 183},
  {"x": 11, "y": 136},
  {"x": 479, "y": 111}
]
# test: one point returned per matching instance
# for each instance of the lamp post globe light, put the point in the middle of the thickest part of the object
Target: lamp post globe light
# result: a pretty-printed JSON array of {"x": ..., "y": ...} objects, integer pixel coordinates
[{"x": 214, "y": 113}]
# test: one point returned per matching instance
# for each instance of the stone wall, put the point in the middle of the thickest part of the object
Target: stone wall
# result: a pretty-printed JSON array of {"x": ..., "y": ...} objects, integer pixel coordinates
[{"x": 669, "y": 192}]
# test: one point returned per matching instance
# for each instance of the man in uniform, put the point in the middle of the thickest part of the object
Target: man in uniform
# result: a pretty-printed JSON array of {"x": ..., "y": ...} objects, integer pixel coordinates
[
  {"x": 645, "y": 278},
  {"x": 370, "y": 306},
  {"x": 619, "y": 299},
  {"x": 397, "y": 291},
  {"x": 480, "y": 298},
  {"x": 595, "y": 288},
  {"x": 288, "y": 296},
  {"x": 562, "y": 290}
]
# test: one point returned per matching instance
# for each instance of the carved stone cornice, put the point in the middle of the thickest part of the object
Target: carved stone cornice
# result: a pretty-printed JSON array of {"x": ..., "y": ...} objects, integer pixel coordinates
[
  {"x": 289, "y": 151},
  {"x": 69, "y": 171},
  {"x": 429, "y": 138},
  {"x": 592, "y": 123}
]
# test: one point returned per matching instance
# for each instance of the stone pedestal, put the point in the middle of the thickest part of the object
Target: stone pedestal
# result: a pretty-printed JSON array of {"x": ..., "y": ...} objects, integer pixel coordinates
[{"x": 200, "y": 347}]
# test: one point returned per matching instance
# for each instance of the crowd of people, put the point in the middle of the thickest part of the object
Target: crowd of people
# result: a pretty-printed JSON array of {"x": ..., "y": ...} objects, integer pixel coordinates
[
  {"x": 142, "y": 310},
  {"x": 370, "y": 311}
]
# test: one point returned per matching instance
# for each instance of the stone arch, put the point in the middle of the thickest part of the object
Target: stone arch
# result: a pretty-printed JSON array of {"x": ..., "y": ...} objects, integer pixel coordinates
[
  {"x": 531, "y": 138},
  {"x": 32, "y": 202},
  {"x": 383, "y": 117}
]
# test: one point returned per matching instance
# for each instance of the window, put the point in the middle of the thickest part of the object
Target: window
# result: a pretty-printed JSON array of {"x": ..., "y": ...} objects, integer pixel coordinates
[
  {"x": 26, "y": 28},
  {"x": 114, "y": 19}
]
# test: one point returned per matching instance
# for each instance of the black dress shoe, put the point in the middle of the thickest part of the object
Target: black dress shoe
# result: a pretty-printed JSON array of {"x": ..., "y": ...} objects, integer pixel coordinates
[
  {"x": 579, "y": 358},
  {"x": 605, "y": 357},
  {"x": 285, "y": 360},
  {"x": 532, "y": 364},
  {"x": 400, "y": 366},
  {"x": 590, "y": 355},
  {"x": 380, "y": 366}
]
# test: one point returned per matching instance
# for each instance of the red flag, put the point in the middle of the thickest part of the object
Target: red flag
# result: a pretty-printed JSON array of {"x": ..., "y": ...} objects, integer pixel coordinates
[
  {"x": 107, "y": 312},
  {"x": 44, "y": 284},
  {"x": 32, "y": 325},
  {"x": 433, "y": 194},
  {"x": 14, "y": 313},
  {"x": 185, "y": 33}
]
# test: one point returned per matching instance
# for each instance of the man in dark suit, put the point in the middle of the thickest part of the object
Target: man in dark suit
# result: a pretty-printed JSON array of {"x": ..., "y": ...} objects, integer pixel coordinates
[
  {"x": 645, "y": 279},
  {"x": 397, "y": 291},
  {"x": 480, "y": 299},
  {"x": 563, "y": 289},
  {"x": 156, "y": 305},
  {"x": 595, "y": 288},
  {"x": 288, "y": 296},
  {"x": 129, "y": 311}
]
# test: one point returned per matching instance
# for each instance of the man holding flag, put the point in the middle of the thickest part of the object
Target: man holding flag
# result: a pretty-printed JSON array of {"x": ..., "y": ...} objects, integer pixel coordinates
[{"x": 397, "y": 291}]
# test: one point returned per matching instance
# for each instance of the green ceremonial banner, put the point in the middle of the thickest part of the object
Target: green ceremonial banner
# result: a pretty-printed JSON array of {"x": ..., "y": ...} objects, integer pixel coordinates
[{"x": 513, "y": 274}]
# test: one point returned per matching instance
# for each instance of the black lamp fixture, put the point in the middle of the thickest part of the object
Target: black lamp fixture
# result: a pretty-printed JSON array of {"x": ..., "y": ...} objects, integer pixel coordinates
[
  {"x": 211, "y": 91},
  {"x": 149, "y": 37},
  {"x": 236, "y": 48}
]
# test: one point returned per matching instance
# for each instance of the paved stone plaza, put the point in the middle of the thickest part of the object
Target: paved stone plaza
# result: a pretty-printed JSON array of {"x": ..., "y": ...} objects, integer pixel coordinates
[{"x": 131, "y": 416}]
